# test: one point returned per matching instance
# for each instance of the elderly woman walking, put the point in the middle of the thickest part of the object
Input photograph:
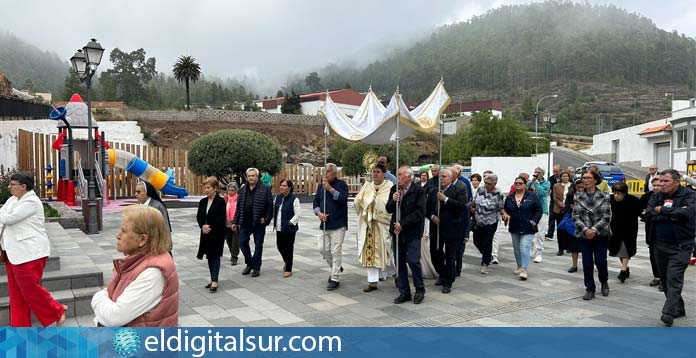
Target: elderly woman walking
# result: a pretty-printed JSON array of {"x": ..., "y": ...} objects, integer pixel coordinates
[
  {"x": 592, "y": 217},
  {"x": 26, "y": 248},
  {"x": 625, "y": 209},
  {"x": 487, "y": 204},
  {"x": 211, "y": 220},
  {"x": 522, "y": 212},
  {"x": 286, "y": 217},
  {"x": 144, "y": 291},
  {"x": 561, "y": 190}
]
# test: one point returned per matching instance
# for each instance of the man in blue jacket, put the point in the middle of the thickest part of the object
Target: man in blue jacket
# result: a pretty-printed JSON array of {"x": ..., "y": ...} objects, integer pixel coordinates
[{"x": 331, "y": 206}]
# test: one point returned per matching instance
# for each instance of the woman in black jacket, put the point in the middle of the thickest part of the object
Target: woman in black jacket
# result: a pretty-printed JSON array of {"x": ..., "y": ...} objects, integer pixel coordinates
[
  {"x": 286, "y": 217},
  {"x": 211, "y": 218},
  {"x": 572, "y": 241},
  {"x": 522, "y": 212},
  {"x": 625, "y": 210}
]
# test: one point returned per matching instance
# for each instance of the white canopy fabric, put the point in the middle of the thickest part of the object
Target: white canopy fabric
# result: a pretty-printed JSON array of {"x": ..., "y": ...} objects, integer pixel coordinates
[{"x": 375, "y": 124}]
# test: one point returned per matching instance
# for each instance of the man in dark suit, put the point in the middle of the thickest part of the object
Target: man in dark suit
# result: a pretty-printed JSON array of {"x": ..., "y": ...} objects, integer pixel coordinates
[
  {"x": 647, "y": 186},
  {"x": 445, "y": 210},
  {"x": 254, "y": 212},
  {"x": 462, "y": 183},
  {"x": 433, "y": 182},
  {"x": 407, "y": 229}
]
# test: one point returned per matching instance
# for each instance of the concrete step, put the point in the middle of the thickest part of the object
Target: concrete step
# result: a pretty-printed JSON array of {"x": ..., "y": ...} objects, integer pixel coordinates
[
  {"x": 64, "y": 280},
  {"x": 52, "y": 264},
  {"x": 79, "y": 302}
]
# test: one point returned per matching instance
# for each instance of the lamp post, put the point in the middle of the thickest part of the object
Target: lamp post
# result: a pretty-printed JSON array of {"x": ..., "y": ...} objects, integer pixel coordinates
[
  {"x": 536, "y": 121},
  {"x": 550, "y": 121},
  {"x": 85, "y": 62}
]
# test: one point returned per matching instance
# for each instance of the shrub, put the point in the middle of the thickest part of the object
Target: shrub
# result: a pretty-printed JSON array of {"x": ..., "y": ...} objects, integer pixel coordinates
[{"x": 228, "y": 152}]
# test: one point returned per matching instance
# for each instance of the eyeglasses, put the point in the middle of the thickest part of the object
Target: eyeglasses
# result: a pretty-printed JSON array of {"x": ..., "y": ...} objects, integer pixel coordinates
[
  {"x": 138, "y": 191},
  {"x": 587, "y": 178},
  {"x": 519, "y": 183}
]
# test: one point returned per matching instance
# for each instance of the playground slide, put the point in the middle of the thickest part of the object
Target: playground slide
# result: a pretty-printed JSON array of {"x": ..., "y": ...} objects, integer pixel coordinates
[{"x": 163, "y": 182}]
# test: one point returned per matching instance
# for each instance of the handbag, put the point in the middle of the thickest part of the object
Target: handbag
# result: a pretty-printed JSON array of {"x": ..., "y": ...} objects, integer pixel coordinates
[{"x": 566, "y": 224}]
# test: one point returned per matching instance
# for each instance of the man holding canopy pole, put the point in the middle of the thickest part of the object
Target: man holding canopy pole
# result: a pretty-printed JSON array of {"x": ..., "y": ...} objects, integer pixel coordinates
[{"x": 408, "y": 231}]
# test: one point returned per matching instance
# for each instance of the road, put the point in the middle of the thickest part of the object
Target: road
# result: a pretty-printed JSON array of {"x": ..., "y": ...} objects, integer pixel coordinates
[{"x": 567, "y": 157}]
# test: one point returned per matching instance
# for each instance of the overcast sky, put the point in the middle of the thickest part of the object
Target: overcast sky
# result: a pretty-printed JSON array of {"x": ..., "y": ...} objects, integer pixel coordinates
[{"x": 264, "y": 40}]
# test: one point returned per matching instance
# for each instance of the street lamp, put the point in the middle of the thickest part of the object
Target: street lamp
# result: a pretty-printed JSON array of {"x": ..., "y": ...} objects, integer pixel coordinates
[
  {"x": 85, "y": 62},
  {"x": 536, "y": 121},
  {"x": 550, "y": 121}
]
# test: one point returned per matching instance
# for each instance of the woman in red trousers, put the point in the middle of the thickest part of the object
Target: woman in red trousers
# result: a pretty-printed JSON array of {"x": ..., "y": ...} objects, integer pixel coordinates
[{"x": 26, "y": 249}]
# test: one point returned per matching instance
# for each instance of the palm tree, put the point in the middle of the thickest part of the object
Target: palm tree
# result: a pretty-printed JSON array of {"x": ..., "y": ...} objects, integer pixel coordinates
[{"x": 186, "y": 69}]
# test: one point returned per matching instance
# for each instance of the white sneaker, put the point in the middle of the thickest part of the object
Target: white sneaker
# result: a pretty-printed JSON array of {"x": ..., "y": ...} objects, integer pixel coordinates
[
  {"x": 546, "y": 238},
  {"x": 523, "y": 275},
  {"x": 494, "y": 261},
  {"x": 517, "y": 271},
  {"x": 484, "y": 269},
  {"x": 537, "y": 259}
]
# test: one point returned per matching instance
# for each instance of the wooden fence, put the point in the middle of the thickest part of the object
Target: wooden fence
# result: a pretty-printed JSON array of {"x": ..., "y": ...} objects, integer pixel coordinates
[{"x": 34, "y": 154}]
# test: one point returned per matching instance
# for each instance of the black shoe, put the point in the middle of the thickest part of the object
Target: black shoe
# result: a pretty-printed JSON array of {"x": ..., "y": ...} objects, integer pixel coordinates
[
  {"x": 573, "y": 269},
  {"x": 654, "y": 282},
  {"x": 459, "y": 274},
  {"x": 680, "y": 314},
  {"x": 605, "y": 289},
  {"x": 210, "y": 284},
  {"x": 660, "y": 287},
  {"x": 667, "y": 320},
  {"x": 622, "y": 276},
  {"x": 588, "y": 295},
  {"x": 332, "y": 285},
  {"x": 213, "y": 289},
  {"x": 560, "y": 253},
  {"x": 418, "y": 297},
  {"x": 628, "y": 272},
  {"x": 255, "y": 273},
  {"x": 402, "y": 298},
  {"x": 341, "y": 269},
  {"x": 446, "y": 289},
  {"x": 247, "y": 270},
  {"x": 438, "y": 282}
]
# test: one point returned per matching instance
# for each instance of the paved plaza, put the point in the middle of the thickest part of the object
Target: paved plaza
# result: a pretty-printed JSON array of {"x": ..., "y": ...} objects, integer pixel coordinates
[{"x": 551, "y": 296}]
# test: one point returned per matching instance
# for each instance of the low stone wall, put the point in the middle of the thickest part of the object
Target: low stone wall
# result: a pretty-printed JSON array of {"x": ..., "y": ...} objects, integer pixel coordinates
[
  {"x": 68, "y": 219},
  {"x": 209, "y": 115}
]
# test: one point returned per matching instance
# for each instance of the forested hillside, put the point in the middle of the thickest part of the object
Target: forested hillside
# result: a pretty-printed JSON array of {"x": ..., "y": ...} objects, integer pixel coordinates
[{"x": 605, "y": 63}]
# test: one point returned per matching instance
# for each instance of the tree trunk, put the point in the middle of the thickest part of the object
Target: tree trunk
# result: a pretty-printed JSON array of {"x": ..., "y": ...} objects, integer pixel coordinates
[{"x": 188, "y": 98}]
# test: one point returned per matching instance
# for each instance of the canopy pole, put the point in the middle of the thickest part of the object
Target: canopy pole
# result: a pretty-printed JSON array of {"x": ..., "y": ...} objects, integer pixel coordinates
[
  {"x": 326, "y": 136},
  {"x": 439, "y": 183},
  {"x": 398, "y": 204}
]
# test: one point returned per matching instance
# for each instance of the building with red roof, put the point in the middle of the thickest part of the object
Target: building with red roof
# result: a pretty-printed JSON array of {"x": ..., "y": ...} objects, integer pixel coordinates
[{"x": 346, "y": 99}]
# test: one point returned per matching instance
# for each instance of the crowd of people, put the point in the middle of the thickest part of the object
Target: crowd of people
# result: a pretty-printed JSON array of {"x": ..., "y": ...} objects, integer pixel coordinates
[{"x": 404, "y": 225}]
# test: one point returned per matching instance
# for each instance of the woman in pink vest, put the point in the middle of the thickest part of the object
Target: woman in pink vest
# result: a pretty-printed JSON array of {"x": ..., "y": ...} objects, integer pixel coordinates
[{"x": 145, "y": 287}]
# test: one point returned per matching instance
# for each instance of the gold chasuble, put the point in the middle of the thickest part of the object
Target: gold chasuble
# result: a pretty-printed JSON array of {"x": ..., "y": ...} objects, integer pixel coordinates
[{"x": 374, "y": 240}]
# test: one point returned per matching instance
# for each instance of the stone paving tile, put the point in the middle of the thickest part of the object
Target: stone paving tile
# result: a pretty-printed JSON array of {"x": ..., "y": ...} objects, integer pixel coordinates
[{"x": 551, "y": 296}]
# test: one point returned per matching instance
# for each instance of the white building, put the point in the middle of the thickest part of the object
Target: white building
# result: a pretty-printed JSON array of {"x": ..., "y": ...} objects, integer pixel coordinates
[
  {"x": 466, "y": 110},
  {"x": 346, "y": 99},
  {"x": 668, "y": 142}
]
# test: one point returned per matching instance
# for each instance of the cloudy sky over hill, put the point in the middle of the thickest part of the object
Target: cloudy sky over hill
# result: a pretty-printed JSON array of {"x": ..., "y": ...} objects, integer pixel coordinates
[{"x": 265, "y": 40}]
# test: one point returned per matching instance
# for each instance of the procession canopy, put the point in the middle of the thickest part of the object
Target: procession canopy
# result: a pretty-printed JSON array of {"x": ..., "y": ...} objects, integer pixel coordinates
[{"x": 375, "y": 124}]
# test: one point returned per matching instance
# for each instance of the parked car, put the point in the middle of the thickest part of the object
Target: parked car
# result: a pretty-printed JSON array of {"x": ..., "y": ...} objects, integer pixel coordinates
[{"x": 610, "y": 172}]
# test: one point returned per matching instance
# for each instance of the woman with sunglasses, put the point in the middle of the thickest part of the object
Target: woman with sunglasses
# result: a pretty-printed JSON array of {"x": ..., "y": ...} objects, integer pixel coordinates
[
  {"x": 522, "y": 213},
  {"x": 592, "y": 217}
]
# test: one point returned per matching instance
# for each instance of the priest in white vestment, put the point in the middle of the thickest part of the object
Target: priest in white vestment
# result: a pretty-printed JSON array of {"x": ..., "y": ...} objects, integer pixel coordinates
[{"x": 374, "y": 241}]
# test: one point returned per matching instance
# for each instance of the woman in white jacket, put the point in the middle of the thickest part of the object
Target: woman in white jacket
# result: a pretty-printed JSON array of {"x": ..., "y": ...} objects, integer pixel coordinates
[{"x": 27, "y": 248}]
